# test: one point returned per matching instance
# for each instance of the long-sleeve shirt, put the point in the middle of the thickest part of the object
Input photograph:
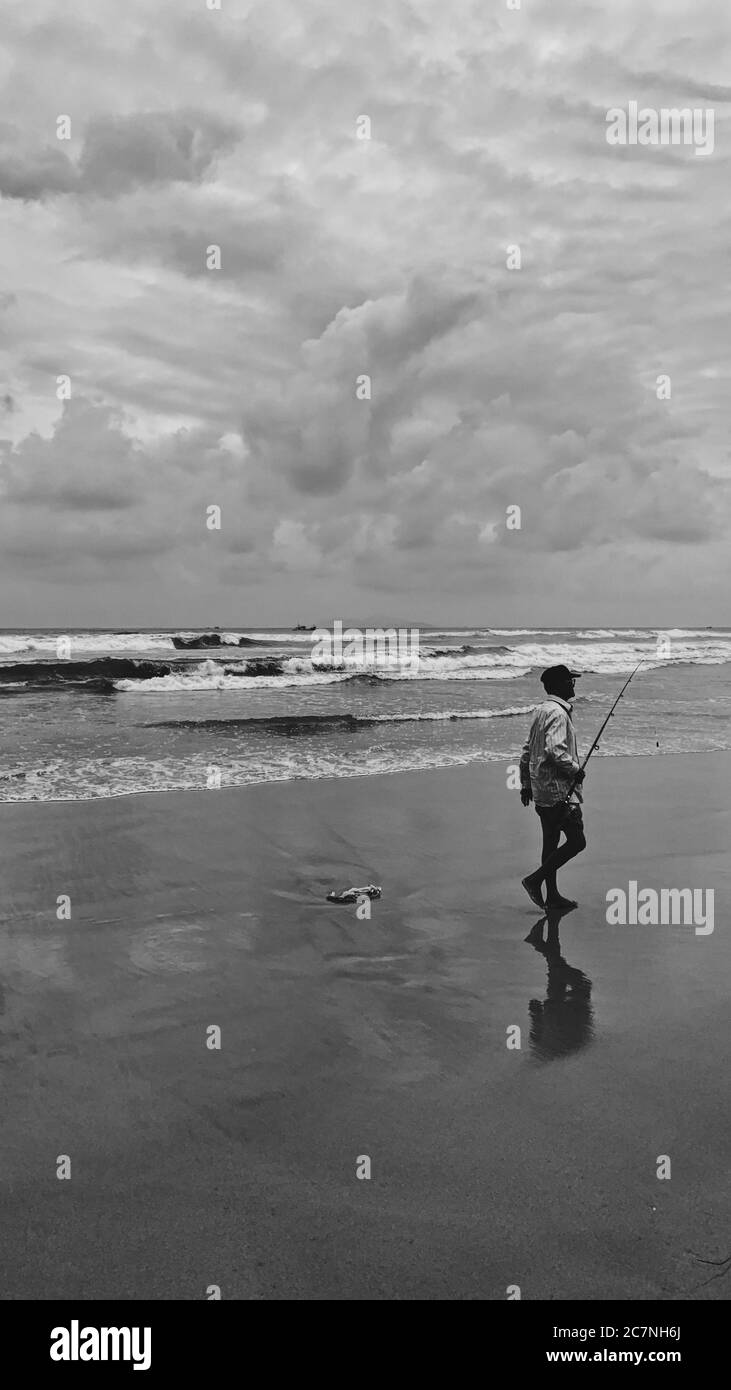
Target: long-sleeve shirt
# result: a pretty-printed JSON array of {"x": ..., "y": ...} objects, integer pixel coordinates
[{"x": 550, "y": 757}]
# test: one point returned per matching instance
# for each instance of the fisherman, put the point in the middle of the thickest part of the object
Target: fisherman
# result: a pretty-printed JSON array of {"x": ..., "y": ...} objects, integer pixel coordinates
[{"x": 550, "y": 776}]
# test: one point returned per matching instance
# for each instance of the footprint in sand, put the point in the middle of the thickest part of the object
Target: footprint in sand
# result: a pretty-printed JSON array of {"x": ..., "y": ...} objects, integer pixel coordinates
[
  {"x": 305, "y": 899},
  {"x": 177, "y": 948}
]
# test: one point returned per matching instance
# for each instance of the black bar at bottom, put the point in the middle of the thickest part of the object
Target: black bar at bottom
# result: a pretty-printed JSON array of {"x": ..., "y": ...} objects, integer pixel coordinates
[{"x": 109, "y": 1339}]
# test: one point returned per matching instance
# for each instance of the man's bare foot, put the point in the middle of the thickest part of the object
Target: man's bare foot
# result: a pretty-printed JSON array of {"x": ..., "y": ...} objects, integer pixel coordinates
[{"x": 533, "y": 889}]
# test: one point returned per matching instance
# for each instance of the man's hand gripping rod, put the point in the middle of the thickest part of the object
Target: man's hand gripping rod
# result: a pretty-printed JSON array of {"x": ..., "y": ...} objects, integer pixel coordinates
[{"x": 575, "y": 779}]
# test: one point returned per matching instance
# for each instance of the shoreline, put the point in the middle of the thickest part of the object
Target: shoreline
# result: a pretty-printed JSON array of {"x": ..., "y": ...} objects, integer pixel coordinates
[{"x": 328, "y": 777}]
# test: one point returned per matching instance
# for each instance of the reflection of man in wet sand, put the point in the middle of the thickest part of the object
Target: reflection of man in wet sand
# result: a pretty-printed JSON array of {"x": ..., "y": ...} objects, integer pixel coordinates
[
  {"x": 549, "y": 769},
  {"x": 563, "y": 1022}
]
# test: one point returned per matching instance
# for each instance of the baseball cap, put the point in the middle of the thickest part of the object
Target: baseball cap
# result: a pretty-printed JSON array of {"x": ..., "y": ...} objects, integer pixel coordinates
[{"x": 557, "y": 673}]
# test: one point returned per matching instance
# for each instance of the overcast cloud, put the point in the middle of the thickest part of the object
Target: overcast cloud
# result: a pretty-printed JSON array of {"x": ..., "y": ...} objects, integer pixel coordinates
[{"x": 341, "y": 257}]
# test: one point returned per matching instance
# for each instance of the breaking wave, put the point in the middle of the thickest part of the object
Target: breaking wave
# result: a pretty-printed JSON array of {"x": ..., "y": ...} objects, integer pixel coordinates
[
  {"x": 292, "y": 724},
  {"x": 98, "y": 674},
  {"x": 195, "y": 670}
]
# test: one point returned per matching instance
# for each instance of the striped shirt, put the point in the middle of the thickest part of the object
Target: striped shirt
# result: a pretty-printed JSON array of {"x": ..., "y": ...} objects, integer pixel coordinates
[{"x": 550, "y": 757}]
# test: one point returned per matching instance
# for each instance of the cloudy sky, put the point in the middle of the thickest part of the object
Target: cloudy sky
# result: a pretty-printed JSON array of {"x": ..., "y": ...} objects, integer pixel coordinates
[{"x": 491, "y": 387}]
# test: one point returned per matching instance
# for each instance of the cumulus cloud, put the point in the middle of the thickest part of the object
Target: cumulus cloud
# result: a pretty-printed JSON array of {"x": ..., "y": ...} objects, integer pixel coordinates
[
  {"x": 343, "y": 259},
  {"x": 118, "y": 153},
  {"x": 121, "y": 153},
  {"x": 35, "y": 174}
]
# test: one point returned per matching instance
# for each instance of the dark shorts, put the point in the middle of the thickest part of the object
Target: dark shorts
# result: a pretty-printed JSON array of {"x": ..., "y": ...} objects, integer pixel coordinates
[{"x": 567, "y": 818}]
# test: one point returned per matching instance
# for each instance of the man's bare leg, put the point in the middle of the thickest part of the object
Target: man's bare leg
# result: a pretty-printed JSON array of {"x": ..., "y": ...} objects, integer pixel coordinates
[{"x": 553, "y": 858}]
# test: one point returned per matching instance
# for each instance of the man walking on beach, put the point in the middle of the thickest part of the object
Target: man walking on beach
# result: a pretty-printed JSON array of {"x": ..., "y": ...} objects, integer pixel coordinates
[{"x": 549, "y": 765}]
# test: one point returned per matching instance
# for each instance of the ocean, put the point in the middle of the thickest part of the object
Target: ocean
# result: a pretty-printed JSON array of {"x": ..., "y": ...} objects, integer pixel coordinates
[{"x": 122, "y": 712}]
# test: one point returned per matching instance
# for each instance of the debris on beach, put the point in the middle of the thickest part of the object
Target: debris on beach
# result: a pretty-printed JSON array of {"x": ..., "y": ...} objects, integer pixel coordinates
[{"x": 351, "y": 895}]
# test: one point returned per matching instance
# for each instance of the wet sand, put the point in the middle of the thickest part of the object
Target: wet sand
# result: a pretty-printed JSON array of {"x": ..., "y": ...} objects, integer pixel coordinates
[{"x": 340, "y": 1038}]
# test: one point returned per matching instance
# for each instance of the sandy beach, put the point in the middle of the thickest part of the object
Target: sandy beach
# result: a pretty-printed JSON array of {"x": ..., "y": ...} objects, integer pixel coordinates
[{"x": 490, "y": 1166}]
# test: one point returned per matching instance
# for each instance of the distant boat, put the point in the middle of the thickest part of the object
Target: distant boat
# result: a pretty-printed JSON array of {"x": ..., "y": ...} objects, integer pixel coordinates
[{"x": 302, "y": 628}]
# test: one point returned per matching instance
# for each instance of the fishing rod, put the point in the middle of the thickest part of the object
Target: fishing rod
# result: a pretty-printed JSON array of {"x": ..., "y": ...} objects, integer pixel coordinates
[{"x": 601, "y": 731}]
